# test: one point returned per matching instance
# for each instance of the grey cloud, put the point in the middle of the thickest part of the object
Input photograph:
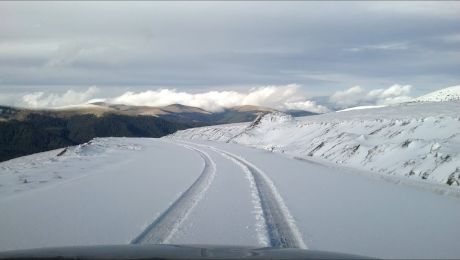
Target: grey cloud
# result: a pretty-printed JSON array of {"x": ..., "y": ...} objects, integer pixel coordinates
[{"x": 213, "y": 44}]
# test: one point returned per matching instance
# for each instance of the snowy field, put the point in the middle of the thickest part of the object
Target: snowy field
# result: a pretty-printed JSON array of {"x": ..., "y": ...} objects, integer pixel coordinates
[
  {"x": 416, "y": 141},
  {"x": 140, "y": 190}
]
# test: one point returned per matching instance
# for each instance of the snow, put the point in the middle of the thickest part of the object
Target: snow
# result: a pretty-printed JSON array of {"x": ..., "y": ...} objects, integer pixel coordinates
[
  {"x": 339, "y": 209},
  {"x": 46, "y": 168},
  {"x": 417, "y": 141},
  {"x": 380, "y": 182},
  {"x": 226, "y": 215},
  {"x": 360, "y": 107},
  {"x": 445, "y": 94},
  {"x": 109, "y": 191},
  {"x": 113, "y": 188}
]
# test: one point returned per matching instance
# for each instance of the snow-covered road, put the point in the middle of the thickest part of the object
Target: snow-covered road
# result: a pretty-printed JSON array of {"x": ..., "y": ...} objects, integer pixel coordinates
[
  {"x": 278, "y": 222},
  {"x": 164, "y": 226},
  {"x": 177, "y": 191},
  {"x": 349, "y": 211}
]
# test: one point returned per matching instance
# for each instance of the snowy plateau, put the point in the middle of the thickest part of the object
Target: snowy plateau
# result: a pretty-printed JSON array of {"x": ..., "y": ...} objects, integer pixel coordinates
[{"x": 381, "y": 182}]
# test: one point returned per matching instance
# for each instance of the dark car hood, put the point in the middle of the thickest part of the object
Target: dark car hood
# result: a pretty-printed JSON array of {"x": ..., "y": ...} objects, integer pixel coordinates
[{"x": 171, "y": 252}]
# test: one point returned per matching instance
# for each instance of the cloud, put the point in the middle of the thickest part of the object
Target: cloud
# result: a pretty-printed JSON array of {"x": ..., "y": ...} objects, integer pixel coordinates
[
  {"x": 279, "y": 97},
  {"x": 391, "y": 95},
  {"x": 396, "y": 46},
  {"x": 347, "y": 98},
  {"x": 308, "y": 106},
  {"x": 70, "y": 97},
  {"x": 425, "y": 9},
  {"x": 201, "y": 45},
  {"x": 451, "y": 38},
  {"x": 357, "y": 96}
]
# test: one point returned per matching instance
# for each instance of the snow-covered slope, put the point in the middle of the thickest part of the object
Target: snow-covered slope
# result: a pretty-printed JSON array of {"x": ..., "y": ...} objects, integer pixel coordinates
[
  {"x": 360, "y": 108},
  {"x": 445, "y": 94},
  {"x": 415, "y": 140}
]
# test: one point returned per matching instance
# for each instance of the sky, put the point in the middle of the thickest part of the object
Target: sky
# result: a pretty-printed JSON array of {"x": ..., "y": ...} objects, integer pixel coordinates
[{"x": 304, "y": 55}]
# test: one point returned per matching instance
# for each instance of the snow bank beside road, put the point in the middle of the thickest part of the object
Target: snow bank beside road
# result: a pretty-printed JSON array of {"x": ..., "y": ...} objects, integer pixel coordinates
[
  {"x": 416, "y": 140},
  {"x": 42, "y": 169}
]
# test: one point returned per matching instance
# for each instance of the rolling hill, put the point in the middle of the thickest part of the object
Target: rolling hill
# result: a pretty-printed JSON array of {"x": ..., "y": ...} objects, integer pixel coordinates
[{"x": 25, "y": 131}]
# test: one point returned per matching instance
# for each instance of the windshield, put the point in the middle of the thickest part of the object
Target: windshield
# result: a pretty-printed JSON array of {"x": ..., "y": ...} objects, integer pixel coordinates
[{"x": 316, "y": 125}]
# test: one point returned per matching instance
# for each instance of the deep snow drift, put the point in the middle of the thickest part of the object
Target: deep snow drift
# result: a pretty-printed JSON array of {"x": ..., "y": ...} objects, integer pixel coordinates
[{"x": 415, "y": 140}]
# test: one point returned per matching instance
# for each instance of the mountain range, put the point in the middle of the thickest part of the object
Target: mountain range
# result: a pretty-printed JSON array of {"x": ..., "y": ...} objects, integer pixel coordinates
[{"x": 25, "y": 131}]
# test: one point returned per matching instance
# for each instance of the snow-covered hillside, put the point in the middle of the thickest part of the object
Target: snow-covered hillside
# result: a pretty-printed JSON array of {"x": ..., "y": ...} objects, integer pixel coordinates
[
  {"x": 414, "y": 140},
  {"x": 445, "y": 94}
]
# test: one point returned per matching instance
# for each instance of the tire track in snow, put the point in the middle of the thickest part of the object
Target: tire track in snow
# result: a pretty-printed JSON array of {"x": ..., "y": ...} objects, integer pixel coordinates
[
  {"x": 280, "y": 225},
  {"x": 281, "y": 228},
  {"x": 262, "y": 235},
  {"x": 167, "y": 224}
]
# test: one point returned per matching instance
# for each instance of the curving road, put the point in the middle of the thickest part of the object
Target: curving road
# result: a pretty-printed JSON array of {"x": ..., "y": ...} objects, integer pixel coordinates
[
  {"x": 279, "y": 224},
  {"x": 221, "y": 194}
]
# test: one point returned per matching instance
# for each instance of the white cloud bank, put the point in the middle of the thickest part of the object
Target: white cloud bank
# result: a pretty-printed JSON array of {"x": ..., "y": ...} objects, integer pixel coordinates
[
  {"x": 70, "y": 97},
  {"x": 279, "y": 97},
  {"x": 357, "y": 96}
]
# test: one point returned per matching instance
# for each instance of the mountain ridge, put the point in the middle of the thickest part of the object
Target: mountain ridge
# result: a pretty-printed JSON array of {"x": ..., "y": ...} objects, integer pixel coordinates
[{"x": 25, "y": 131}]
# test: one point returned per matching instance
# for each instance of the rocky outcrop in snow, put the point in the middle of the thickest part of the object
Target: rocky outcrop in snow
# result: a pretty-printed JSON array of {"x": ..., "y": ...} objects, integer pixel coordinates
[{"x": 417, "y": 140}]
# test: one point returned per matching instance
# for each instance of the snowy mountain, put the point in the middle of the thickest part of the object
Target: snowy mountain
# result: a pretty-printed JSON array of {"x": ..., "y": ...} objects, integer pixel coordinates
[
  {"x": 419, "y": 141},
  {"x": 445, "y": 94}
]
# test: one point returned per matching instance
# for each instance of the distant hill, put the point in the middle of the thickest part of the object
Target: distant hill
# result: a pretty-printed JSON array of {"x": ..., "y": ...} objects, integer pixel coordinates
[
  {"x": 188, "y": 115},
  {"x": 299, "y": 113},
  {"x": 445, "y": 94},
  {"x": 25, "y": 131},
  {"x": 38, "y": 132}
]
